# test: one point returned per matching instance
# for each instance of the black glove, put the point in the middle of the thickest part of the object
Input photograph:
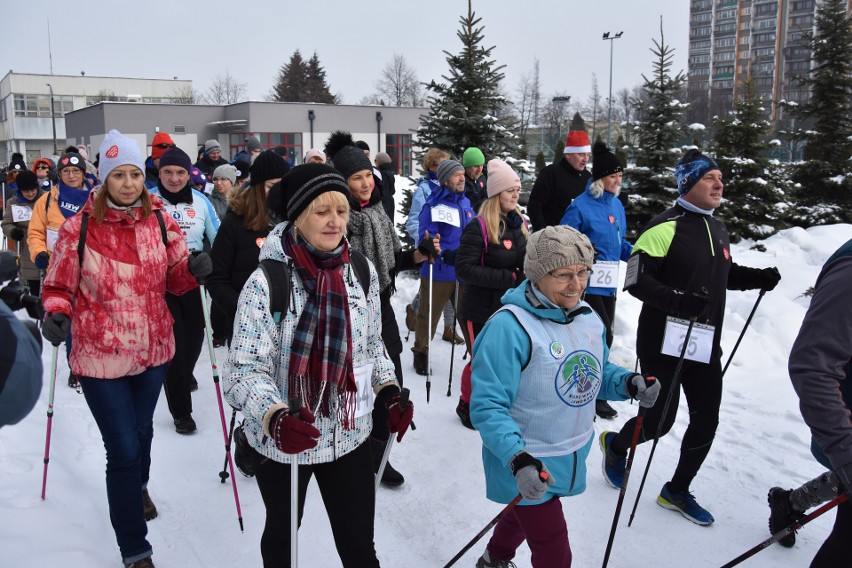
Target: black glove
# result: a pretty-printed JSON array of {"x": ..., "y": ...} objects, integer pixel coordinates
[
  {"x": 427, "y": 247},
  {"x": 200, "y": 265},
  {"x": 41, "y": 261},
  {"x": 17, "y": 234},
  {"x": 769, "y": 278},
  {"x": 56, "y": 327},
  {"x": 693, "y": 304},
  {"x": 449, "y": 256}
]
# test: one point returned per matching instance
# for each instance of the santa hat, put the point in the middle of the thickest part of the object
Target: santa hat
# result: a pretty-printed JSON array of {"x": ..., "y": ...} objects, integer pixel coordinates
[{"x": 577, "y": 142}]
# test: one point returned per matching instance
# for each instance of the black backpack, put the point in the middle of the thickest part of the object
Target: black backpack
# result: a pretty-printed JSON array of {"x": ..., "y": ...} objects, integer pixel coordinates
[{"x": 278, "y": 275}]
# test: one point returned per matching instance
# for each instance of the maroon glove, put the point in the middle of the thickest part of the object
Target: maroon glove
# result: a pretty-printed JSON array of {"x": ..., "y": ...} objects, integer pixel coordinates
[
  {"x": 293, "y": 434},
  {"x": 400, "y": 414}
]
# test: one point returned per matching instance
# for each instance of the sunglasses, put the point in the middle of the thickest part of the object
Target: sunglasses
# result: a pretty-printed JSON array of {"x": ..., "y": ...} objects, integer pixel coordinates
[
  {"x": 164, "y": 146},
  {"x": 42, "y": 167}
]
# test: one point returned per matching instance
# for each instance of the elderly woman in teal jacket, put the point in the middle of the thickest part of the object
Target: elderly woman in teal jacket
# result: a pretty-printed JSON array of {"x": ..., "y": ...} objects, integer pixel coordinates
[{"x": 538, "y": 365}]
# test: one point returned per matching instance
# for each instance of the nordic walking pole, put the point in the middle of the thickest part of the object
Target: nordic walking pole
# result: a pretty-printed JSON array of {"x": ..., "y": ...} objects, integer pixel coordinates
[
  {"x": 640, "y": 417},
  {"x": 659, "y": 432},
  {"x": 742, "y": 333},
  {"x": 294, "y": 405},
  {"x": 453, "y": 348},
  {"x": 209, "y": 335},
  {"x": 49, "y": 417},
  {"x": 787, "y": 530},
  {"x": 223, "y": 475},
  {"x": 403, "y": 402},
  {"x": 543, "y": 475},
  {"x": 429, "y": 337}
]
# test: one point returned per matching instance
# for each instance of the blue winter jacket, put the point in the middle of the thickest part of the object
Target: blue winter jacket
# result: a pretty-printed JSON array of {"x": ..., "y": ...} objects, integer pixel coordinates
[
  {"x": 602, "y": 219},
  {"x": 197, "y": 220},
  {"x": 425, "y": 187},
  {"x": 450, "y": 234},
  {"x": 501, "y": 352}
]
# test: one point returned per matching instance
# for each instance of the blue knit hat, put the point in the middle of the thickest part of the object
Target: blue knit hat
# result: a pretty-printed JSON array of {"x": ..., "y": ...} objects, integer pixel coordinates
[
  {"x": 692, "y": 168},
  {"x": 118, "y": 150}
]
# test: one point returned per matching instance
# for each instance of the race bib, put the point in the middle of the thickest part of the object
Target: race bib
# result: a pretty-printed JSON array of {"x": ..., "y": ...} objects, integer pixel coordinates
[
  {"x": 446, "y": 214},
  {"x": 52, "y": 236},
  {"x": 208, "y": 188},
  {"x": 700, "y": 345},
  {"x": 364, "y": 400},
  {"x": 21, "y": 213},
  {"x": 604, "y": 274}
]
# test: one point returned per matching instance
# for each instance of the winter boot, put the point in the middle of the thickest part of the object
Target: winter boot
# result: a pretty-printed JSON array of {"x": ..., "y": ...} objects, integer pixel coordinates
[
  {"x": 185, "y": 424},
  {"x": 410, "y": 317},
  {"x": 421, "y": 364},
  {"x": 148, "y": 506},
  {"x": 604, "y": 410},
  {"x": 463, "y": 411},
  {"x": 450, "y": 336},
  {"x": 614, "y": 465},
  {"x": 144, "y": 563},
  {"x": 684, "y": 503},
  {"x": 781, "y": 514},
  {"x": 485, "y": 561},
  {"x": 390, "y": 476}
]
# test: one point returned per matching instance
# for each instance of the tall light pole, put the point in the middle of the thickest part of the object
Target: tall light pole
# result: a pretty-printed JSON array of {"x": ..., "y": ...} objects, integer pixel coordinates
[
  {"x": 610, "y": 38},
  {"x": 53, "y": 119}
]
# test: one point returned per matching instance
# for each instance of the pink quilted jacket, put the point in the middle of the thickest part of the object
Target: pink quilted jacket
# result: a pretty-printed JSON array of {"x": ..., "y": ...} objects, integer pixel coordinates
[{"x": 117, "y": 300}]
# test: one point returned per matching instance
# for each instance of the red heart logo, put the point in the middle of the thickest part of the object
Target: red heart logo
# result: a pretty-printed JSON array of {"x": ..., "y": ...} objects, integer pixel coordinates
[
  {"x": 260, "y": 241},
  {"x": 112, "y": 152},
  {"x": 190, "y": 213},
  {"x": 508, "y": 244}
]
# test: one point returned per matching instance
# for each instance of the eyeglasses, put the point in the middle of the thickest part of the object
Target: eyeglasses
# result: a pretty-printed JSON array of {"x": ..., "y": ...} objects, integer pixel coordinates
[
  {"x": 164, "y": 146},
  {"x": 581, "y": 275},
  {"x": 42, "y": 167}
]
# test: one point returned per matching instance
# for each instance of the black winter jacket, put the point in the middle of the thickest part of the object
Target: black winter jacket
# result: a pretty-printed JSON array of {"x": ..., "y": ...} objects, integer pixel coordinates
[
  {"x": 554, "y": 189},
  {"x": 207, "y": 166},
  {"x": 486, "y": 278}
]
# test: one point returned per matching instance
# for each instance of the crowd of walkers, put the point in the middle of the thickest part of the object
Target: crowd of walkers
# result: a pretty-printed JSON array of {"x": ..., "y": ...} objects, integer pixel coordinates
[{"x": 301, "y": 263}]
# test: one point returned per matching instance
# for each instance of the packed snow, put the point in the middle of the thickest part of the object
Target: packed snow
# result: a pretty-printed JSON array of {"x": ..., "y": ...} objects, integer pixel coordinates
[{"x": 761, "y": 442}]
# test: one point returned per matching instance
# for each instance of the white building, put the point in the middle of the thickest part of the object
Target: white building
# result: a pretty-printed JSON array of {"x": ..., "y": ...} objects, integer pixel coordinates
[{"x": 29, "y": 126}]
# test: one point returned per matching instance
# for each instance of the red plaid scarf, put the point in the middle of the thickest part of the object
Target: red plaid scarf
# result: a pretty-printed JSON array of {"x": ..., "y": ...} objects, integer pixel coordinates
[{"x": 321, "y": 352}]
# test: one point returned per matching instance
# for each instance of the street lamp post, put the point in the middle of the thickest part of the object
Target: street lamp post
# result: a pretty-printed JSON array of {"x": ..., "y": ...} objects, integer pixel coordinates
[
  {"x": 53, "y": 119},
  {"x": 610, "y": 38}
]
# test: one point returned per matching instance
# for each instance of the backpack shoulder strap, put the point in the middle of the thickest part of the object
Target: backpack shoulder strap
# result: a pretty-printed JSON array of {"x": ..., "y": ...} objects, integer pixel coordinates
[
  {"x": 163, "y": 232},
  {"x": 81, "y": 244},
  {"x": 362, "y": 269},
  {"x": 484, "y": 239},
  {"x": 47, "y": 203},
  {"x": 277, "y": 276}
]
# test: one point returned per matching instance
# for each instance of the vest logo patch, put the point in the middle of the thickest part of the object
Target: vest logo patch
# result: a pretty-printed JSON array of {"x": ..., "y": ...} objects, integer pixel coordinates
[
  {"x": 578, "y": 379},
  {"x": 557, "y": 350},
  {"x": 190, "y": 212}
]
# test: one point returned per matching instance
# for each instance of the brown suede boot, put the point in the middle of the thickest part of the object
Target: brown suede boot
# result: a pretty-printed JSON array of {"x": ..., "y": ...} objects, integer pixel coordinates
[{"x": 148, "y": 507}]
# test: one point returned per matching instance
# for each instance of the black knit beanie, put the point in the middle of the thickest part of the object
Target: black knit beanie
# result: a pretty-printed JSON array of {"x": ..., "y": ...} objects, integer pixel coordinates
[
  {"x": 268, "y": 165},
  {"x": 350, "y": 160},
  {"x": 604, "y": 162},
  {"x": 302, "y": 185},
  {"x": 175, "y": 157}
]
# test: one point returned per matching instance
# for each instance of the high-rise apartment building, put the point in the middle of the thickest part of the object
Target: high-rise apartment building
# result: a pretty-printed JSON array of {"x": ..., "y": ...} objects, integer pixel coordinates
[{"x": 731, "y": 40}]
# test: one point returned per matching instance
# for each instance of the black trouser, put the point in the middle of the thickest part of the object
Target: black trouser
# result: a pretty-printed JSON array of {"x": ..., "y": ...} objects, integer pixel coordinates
[
  {"x": 702, "y": 385},
  {"x": 837, "y": 549},
  {"x": 604, "y": 306},
  {"x": 220, "y": 321},
  {"x": 347, "y": 487},
  {"x": 189, "y": 339}
]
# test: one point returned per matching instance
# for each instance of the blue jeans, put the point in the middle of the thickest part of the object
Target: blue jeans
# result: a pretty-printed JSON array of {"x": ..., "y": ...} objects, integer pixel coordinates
[{"x": 124, "y": 410}]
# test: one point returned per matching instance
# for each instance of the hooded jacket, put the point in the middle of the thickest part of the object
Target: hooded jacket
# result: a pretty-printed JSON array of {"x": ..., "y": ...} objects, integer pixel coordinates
[
  {"x": 514, "y": 404},
  {"x": 438, "y": 202},
  {"x": 256, "y": 374},
  {"x": 29, "y": 271},
  {"x": 121, "y": 325}
]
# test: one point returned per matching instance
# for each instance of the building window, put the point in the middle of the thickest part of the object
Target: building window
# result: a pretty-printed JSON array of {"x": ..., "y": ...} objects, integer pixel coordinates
[
  {"x": 799, "y": 66},
  {"x": 723, "y": 84},
  {"x": 703, "y": 58},
  {"x": 766, "y": 9},
  {"x": 802, "y": 5},
  {"x": 292, "y": 141},
  {"x": 724, "y": 56},
  {"x": 763, "y": 24},
  {"x": 726, "y": 14},
  {"x": 398, "y": 147},
  {"x": 39, "y": 105},
  {"x": 725, "y": 42},
  {"x": 802, "y": 21},
  {"x": 701, "y": 5},
  {"x": 701, "y": 44},
  {"x": 700, "y": 32},
  {"x": 763, "y": 68},
  {"x": 726, "y": 28},
  {"x": 764, "y": 38},
  {"x": 746, "y": 11},
  {"x": 700, "y": 71},
  {"x": 3, "y": 110}
]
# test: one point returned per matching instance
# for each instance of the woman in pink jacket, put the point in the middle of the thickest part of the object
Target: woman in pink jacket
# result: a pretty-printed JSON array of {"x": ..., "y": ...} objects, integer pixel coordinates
[{"x": 114, "y": 290}]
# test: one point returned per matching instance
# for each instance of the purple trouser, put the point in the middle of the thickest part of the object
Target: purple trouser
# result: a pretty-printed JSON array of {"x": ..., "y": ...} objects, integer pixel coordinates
[{"x": 542, "y": 526}]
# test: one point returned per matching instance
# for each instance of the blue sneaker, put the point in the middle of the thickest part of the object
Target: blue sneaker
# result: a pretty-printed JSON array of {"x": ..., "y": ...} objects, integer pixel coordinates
[
  {"x": 613, "y": 464},
  {"x": 685, "y": 504}
]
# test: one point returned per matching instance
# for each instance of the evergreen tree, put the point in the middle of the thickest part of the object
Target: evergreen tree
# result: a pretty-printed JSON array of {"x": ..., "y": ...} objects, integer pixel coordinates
[
  {"x": 754, "y": 207},
  {"x": 539, "y": 162},
  {"x": 658, "y": 129},
  {"x": 404, "y": 207},
  {"x": 577, "y": 123},
  {"x": 825, "y": 180},
  {"x": 559, "y": 151},
  {"x": 291, "y": 81},
  {"x": 463, "y": 109},
  {"x": 619, "y": 150},
  {"x": 317, "y": 89}
]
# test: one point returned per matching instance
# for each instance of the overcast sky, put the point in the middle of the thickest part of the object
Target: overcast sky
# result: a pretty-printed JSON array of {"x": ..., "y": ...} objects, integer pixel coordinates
[{"x": 354, "y": 40}]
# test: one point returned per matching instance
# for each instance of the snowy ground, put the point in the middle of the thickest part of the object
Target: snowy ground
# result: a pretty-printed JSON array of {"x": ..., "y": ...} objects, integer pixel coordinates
[{"x": 761, "y": 442}]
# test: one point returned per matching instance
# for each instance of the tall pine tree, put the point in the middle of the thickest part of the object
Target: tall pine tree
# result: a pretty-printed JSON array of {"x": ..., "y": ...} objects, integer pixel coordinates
[
  {"x": 825, "y": 178},
  {"x": 317, "y": 89},
  {"x": 658, "y": 130},
  {"x": 754, "y": 207},
  {"x": 463, "y": 109},
  {"x": 302, "y": 82}
]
